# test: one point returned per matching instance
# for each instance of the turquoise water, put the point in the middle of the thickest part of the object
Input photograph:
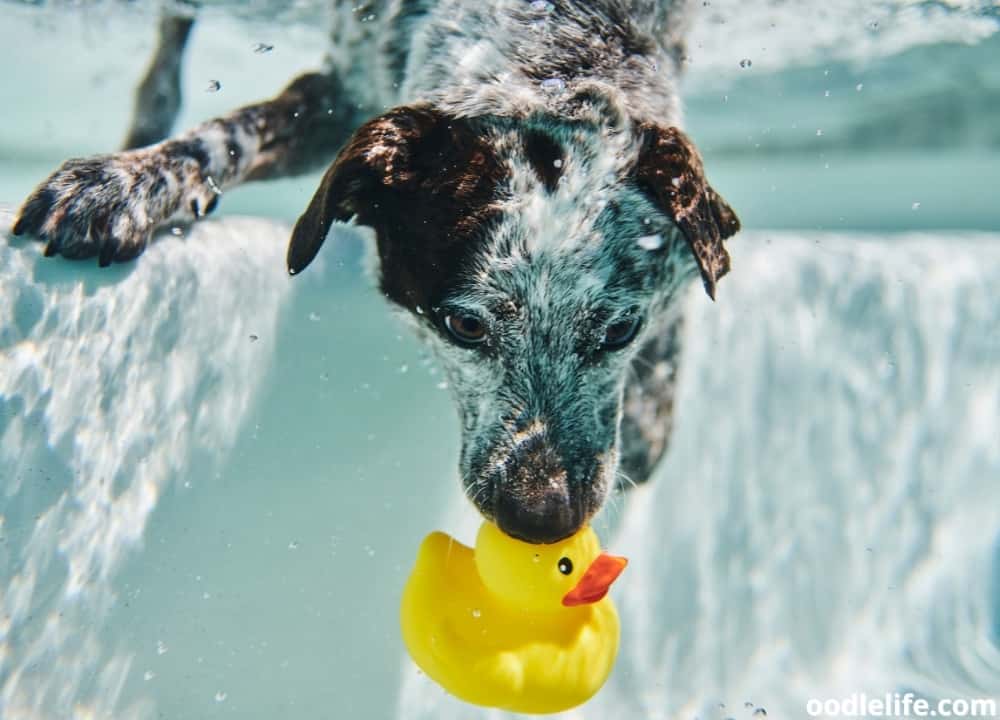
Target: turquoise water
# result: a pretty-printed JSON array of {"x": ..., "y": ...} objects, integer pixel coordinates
[{"x": 214, "y": 478}]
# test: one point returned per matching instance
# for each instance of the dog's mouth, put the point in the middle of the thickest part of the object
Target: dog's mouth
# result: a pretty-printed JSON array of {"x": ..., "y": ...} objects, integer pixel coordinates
[{"x": 541, "y": 502}]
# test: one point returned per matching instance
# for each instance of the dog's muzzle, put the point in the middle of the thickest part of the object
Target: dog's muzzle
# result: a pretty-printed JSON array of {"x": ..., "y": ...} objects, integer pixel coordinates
[{"x": 534, "y": 498}]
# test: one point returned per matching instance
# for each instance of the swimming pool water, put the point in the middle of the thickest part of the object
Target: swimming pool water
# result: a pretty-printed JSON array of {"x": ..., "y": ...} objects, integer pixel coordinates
[{"x": 213, "y": 478}]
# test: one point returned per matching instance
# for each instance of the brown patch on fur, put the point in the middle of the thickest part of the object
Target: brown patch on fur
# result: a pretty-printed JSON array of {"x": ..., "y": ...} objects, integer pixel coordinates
[
  {"x": 425, "y": 182},
  {"x": 670, "y": 170}
]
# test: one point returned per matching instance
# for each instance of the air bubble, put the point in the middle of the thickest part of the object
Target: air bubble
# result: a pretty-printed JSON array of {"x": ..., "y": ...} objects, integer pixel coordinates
[
  {"x": 542, "y": 6},
  {"x": 746, "y": 62},
  {"x": 650, "y": 242},
  {"x": 760, "y": 713},
  {"x": 262, "y": 48},
  {"x": 553, "y": 84},
  {"x": 477, "y": 613},
  {"x": 221, "y": 696},
  {"x": 213, "y": 86}
]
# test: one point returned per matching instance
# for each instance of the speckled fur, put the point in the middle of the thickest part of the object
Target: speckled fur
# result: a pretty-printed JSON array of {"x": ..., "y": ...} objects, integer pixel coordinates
[{"x": 531, "y": 173}]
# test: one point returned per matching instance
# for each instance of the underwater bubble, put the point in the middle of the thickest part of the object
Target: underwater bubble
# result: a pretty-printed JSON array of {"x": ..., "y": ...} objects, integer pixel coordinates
[
  {"x": 442, "y": 385},
  {"x": 542, "y": 6},
  {"x": 221, "y": 696},
  {"x": 314, "y": 316},
  {"x": 859, "y": 87},
  {"x": 650, "y": 242},
  {"x": 557, "y": 163},
  {"x": 254, "y": 338},
  {"x": 477, "y": 613},
  {"x": 176, "y": 231},
  {"x": 760, "y": 713},
  {"x": 819, "y": 133},
  {"x": 293, "y": 545},
  {"x": 746, "y": 62},
  {"x": 553, "y": 84},
  {"x": 915, "y": 206},
  {"x": 161, "y": 647},
  {"x": 261, "y": 48},
  {"x": 213, "y": 86},
  {"x": 748, "y": 704},
  {"x": 148, "y": 675}
]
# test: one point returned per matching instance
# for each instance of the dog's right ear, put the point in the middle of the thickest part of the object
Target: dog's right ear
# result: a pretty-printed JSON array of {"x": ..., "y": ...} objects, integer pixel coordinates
[
  {"x": 670, "y": 171},
  {"x": 381, "y": 157}
]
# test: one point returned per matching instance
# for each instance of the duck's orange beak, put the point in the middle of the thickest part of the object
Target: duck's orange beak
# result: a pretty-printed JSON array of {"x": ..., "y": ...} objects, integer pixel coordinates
[{"x": 595, "y": 582}]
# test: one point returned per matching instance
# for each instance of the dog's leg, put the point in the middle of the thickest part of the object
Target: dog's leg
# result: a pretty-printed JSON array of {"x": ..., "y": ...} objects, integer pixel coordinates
[
  {"x": 158, "y": 97},
  {"x": 647, "y": 410},
  {"x": 109, "y": 205}
]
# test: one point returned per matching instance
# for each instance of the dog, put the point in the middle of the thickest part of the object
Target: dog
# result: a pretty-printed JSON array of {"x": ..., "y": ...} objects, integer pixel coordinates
[{"x": 536, "y": 212}]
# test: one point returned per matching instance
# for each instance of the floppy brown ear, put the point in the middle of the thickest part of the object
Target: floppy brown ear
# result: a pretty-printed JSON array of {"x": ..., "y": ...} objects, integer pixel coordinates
[
  {"x": 383, "y": 155},
  {"x": 670, "y": 171}
]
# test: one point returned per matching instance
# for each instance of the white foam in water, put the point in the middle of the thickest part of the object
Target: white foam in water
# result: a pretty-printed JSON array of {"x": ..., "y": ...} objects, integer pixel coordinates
[
  {"x": 109, "y": 384},
  {"x": 827, "y": 519}
]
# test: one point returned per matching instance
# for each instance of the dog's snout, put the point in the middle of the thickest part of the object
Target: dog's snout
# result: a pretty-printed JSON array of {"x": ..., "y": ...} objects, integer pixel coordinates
[{"x": 534, "y": 502}]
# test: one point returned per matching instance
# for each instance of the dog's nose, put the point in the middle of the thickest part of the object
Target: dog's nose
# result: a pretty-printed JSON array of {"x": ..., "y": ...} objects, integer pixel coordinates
[
  {"x": 534, "y": 500},
  {"x": 545, "y": 519}
]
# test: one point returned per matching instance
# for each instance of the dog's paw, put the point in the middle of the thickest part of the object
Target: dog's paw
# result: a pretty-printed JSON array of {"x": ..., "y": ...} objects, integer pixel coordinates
[{"x": 110, "y": 205}]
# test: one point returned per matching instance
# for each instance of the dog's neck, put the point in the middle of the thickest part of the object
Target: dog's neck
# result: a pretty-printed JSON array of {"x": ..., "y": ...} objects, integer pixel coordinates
[{"x": 515, "y": 58}]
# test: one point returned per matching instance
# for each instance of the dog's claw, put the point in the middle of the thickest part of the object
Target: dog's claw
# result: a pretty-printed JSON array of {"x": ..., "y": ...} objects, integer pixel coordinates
[{"x": 107, "y": 253}]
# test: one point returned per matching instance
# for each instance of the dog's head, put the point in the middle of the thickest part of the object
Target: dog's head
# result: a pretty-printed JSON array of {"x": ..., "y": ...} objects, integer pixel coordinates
[{"x": 536, "y": 256}]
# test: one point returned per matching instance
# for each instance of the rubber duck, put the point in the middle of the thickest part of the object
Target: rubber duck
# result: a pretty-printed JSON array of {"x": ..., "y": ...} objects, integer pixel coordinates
[{"x": 513, "y": 625}]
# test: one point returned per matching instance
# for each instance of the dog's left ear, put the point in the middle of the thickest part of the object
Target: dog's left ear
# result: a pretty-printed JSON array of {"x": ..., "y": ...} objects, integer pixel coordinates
[{"x": 670, "y": 171}]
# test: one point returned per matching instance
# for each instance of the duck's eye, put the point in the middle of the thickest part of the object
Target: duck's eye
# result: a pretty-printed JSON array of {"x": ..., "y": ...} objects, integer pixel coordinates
[
  {"x": 620, "y": 333},
  {"x": 565, "y": 566},
  {"x": 466, "y": 329}
]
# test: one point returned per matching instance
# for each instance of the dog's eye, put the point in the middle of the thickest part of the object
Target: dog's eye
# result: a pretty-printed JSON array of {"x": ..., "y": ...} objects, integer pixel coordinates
[
  {"x": 621, "y": 333},
  {"x": 467, "y": 329},
  {"x": 565, "y": 566}
]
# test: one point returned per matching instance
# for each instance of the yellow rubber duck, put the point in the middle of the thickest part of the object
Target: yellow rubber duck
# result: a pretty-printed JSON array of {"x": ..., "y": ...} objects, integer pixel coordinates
[{"x": 513, "y": 625}]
